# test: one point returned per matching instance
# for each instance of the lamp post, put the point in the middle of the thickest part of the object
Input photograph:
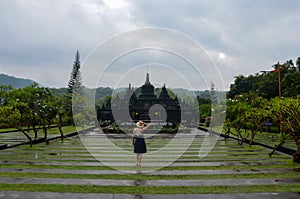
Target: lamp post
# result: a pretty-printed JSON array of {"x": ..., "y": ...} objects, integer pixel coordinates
[
  {"x": 277, "y": 70},
  {"x": 279, "y": 86}
]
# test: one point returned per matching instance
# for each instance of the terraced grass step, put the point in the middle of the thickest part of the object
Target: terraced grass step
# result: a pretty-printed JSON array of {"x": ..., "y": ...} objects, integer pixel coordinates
[
  {"x": 293, "y": 166},
  {"x": 190, "y": 154},
  {"x": 157, "y": 161},
  {"x": 55, "y": 195},
  {"x": 161, "y": 172},
  {"x": 187, "y": 164},
  {"x": 149, "y": 156}
]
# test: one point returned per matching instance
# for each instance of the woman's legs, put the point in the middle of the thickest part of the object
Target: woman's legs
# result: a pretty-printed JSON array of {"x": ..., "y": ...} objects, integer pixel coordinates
[
  {"x": 140, "y": 158},
  {"x": 137, "y": 159}
]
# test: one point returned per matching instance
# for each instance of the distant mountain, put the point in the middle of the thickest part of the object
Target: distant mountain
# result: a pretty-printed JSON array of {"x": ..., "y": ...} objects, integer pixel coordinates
[{"x": 14, "y": 81}]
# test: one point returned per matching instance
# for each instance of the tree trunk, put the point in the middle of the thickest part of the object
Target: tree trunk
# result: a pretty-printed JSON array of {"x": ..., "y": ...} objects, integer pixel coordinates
[
  {"x": 49, "y": 123},
  {"x": 239, "y": 136},
  {"x": 35, "y": 130},
  {"x": 253, "y": 133},
  {"x": 296, "y": 155},
  {"x": 227, "y": 133},
  {"x": 27, "y": 136},
  {"x": 45, "y": 134},
  {"x": 60, "y": 127},
  {"x": 277, "y": 147},
  {"x": 35, "y": 133}
]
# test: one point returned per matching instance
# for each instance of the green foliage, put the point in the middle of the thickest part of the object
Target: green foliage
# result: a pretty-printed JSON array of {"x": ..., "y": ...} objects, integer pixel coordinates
[
  {"x": 265, "y": 84},
  {"x": 288, "y": 112},
  {"x": 247, "y": 112},
  {"x": 75, "y": 82},
  {"x": 250, "y": 112},
  {"x": 291, "y": 84},
  {"x": 84, "y": 113},
  {"x": 30, "y": 108},
  {"x": 204, "y": 107},
  {"x": 205, "y": 110},
  {"x": 58, "y": 91},
  {"x": 102, "y": 92},
  {"x": 4, "y": 94}
]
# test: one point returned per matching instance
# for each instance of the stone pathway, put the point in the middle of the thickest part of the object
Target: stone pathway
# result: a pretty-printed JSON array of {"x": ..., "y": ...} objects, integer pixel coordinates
[
  {"x": 20, "y": 165},
  {"x": 50, "y": 195},
  {"x": 218, "y": 182}
]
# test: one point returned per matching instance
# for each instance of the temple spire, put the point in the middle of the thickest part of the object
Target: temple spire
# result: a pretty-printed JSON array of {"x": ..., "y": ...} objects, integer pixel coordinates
[{"x": 147, "y": 79}]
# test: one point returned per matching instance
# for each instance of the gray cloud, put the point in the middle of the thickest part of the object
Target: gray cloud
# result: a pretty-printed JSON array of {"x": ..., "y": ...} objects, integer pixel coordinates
[
  {"x": 40, "y": 38},
  {"x": 252, "y": 34}
]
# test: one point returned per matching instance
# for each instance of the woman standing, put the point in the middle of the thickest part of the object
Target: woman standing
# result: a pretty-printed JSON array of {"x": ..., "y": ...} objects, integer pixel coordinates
[{"x": 139, "y": 141}]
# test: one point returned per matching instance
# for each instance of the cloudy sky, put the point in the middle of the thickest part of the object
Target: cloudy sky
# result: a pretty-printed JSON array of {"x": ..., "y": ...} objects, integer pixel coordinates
[{"x": 39, "y": 38}]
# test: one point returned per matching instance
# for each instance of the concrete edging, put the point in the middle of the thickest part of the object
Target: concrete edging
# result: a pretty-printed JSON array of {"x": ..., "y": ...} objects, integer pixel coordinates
[
  {"x": 285, "y": 150},
  {"x": 41, "y": 140}
]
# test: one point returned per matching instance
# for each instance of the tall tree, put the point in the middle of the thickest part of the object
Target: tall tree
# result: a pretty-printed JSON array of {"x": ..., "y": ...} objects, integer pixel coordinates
[
  {"x": 74, "y": 86},
  {"x": 291, "y": 84},
  {"x": 43, "y": 106},
  {"x": 16, "y": 113},
  {"x": 75, "y": 82},
  {"x": 298, "y": 64},
  {"x": 4, "y": 94},
  {"x": 290, "y": 110},
  {"x": 241, "y": 85}
]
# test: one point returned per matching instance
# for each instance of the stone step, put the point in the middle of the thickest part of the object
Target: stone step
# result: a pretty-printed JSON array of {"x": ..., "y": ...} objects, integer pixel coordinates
[
  {"x": 150, "y": 154},
  {"x": 99, "y": 182},
  {"x": 55, "y": 195},
  {"x": 152, "y": 161}
]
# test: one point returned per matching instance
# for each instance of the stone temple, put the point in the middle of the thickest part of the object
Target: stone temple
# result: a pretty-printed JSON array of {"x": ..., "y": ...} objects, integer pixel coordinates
[{"x": 135, "y": 105}]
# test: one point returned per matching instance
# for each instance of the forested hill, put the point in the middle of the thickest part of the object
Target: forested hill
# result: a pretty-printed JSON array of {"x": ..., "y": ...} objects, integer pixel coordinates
[
  {"x": 99, "y": 93},
  {"x": 14, "y": 81}
]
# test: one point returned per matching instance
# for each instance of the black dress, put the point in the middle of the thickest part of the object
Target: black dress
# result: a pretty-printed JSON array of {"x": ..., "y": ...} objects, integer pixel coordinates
[{"x": 140, "y": 144}]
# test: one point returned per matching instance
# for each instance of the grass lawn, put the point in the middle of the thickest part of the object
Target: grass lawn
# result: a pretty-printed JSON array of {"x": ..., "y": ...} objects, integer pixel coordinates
[{"x": 150, "y": 189}]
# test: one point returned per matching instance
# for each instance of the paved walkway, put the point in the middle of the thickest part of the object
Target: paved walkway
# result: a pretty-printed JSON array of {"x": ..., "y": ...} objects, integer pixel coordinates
[
  {"x": 161, "y": 172},
  {"x": 50, "y": 195},
  {"x": 218, "y": 182}
]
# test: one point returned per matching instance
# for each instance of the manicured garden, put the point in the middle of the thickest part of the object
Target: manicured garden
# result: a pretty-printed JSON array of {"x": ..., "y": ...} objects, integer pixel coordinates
[{"x": 66, "y": 166}]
